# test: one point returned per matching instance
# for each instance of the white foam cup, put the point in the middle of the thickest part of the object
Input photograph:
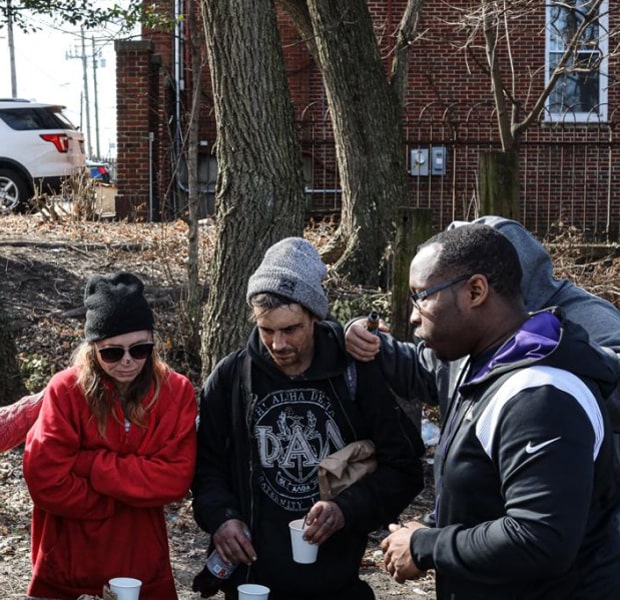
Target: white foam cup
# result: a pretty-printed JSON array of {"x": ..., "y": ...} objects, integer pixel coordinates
[
  {"x": 125, "y": 588},
  {"x": 252, "y": 591},
  {"x": 303, "y": 552}
]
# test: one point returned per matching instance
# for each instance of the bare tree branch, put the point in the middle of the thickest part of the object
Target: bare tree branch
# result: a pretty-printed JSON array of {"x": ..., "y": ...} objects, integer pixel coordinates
[
  {"x": 405, "y": 36},
  {"x": 494, "y": 22}
]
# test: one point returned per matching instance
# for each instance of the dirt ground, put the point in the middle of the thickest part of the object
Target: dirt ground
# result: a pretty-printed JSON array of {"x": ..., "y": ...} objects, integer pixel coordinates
[{"x": 45, "y": 264}]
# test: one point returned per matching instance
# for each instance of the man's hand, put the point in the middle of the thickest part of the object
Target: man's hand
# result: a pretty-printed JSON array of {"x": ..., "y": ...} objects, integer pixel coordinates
[
  {"x": 323, "y": 520},
  {"x": 360, "y": 343},
  {"x": 396, "y": 554},
  {"x": 232, "y": 540}
]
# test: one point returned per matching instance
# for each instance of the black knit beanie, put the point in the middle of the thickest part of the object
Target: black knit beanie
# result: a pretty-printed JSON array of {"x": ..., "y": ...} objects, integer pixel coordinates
[{"x": 115, "y": 305}]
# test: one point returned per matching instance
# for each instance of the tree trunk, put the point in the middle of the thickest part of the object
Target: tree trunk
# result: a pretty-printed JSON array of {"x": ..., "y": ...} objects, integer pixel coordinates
[
  {"x": 259, "y": 193},
  {"x": 192, "y": 302},
  {"x": 11, "y": 383},
  {"x": 413, "y": 227},
  {"x": 499, "y": 184},
  {"x": 368, "y": 133}
]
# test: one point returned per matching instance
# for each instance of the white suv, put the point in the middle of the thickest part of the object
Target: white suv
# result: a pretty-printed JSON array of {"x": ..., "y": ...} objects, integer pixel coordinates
[{"x": 39, "y": 148}]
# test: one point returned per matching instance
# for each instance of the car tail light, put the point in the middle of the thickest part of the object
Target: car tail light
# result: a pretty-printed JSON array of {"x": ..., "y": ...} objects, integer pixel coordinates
[{"x": 60, "y": 140}]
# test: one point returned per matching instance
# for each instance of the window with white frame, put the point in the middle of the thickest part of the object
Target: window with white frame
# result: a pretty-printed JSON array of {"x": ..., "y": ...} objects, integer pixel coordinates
[{"x": 577, "y": 44}]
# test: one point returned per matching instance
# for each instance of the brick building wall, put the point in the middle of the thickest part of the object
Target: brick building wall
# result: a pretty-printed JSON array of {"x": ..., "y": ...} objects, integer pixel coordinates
[
  {"x": 568, "y": 171},
  {"x": 150, "y": 133}
]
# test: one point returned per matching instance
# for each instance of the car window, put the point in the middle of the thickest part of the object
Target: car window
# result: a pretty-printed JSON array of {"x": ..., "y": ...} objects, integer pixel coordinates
[
  {"x": 24, "y": 119},
  {"x": 14, "y": 119},
  {"x": 64, "y": 120}
]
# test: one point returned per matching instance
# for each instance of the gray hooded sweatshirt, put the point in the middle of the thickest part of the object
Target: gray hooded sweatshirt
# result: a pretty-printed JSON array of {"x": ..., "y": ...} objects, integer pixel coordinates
[
  {"x": 540, "y": 289},
  {"x": 419, "y": 375}
]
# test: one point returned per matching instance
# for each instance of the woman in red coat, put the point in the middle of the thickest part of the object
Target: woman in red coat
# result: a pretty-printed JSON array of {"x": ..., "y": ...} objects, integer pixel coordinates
[{"x": 115, "y": 441}]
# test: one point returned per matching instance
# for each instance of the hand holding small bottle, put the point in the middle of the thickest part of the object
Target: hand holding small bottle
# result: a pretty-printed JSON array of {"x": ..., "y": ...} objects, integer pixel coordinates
[
  {"x": 233, "y": 542},
  {"x": 232, "y": 546}
]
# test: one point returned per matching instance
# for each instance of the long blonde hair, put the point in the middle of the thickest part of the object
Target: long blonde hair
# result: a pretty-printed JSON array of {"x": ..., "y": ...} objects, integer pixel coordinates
[{"x": 100, "y": 390}]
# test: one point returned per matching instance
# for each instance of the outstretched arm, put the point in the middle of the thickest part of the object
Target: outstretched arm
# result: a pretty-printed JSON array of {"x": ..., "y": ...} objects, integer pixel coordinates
[
  {"x": 17, "y": 419},
  {"x": 411, "y": 369},
  {"x": 362, "y": 344}
]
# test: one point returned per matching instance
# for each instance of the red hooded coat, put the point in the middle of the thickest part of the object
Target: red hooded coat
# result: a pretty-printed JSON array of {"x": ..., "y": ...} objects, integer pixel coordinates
[{"x": 99, "y": 501}]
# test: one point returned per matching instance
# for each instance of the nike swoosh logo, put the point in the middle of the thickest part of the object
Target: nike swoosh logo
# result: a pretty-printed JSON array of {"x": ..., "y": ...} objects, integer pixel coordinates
[{"x": 531, "y": 448}]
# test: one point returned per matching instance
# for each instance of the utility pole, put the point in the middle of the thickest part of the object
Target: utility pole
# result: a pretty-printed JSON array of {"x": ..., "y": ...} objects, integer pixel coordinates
[
  {"x": 86, "y": 102},
  {"x": 96, "y": 96},
  {"x": 74, "y": 53},
  {"x": 83, "y": 56},
  {"x": 9, "y": 26}
]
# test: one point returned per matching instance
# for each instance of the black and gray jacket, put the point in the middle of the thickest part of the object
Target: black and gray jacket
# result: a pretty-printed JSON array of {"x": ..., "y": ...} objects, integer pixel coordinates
[
  {"x": 524, "y": 474},
  {"x": 259, "y": 449}
]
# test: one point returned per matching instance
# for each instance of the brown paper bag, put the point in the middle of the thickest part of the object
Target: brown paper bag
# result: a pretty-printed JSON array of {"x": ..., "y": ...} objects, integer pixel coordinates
[{"x": 346, "y": 466}]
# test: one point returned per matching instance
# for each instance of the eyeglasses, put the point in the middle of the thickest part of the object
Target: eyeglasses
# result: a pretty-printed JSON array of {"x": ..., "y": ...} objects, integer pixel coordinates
[
  {"x": 416, "y": 297},
  {"x": 112, "y": 354}
]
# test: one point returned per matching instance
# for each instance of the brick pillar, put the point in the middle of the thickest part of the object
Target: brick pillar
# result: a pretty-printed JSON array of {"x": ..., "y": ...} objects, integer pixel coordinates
[{"x": 135, "y": 66}]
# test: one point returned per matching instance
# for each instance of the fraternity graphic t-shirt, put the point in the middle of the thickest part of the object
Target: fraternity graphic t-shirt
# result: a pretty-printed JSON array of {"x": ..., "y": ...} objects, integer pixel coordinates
[{"x": 294, "y": 430}]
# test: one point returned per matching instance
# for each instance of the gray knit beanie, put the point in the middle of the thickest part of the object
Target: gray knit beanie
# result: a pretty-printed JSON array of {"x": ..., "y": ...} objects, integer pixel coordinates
[
  {"x": 115, "y": 305},
  {"x": 293, "y": 269}
]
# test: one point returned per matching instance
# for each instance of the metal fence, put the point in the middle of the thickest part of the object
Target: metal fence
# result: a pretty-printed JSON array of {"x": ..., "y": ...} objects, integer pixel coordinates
[{"x": 569, "y": 170}]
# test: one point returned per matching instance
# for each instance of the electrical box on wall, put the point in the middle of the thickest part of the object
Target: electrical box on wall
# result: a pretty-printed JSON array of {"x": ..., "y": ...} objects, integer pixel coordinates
[
  {"x": 425, "y": 161},
  {"x": 418, "y": 161},
  {"x": 439, "y": 156}
]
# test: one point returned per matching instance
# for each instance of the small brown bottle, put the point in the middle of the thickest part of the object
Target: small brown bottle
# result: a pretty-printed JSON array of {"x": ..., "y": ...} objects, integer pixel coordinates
[{"x": 372, "y": 322}]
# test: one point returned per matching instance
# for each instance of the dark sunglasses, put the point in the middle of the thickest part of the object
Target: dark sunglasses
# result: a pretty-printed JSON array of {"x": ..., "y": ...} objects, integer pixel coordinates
[{"x": 112, "y": 354}]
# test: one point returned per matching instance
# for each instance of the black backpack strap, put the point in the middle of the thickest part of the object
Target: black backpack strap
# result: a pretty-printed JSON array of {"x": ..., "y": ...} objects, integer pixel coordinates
[
  {"x": 350, "y": 376},
  {"x": 246, "y": 373},
  {"x": 241, "y": 386}
]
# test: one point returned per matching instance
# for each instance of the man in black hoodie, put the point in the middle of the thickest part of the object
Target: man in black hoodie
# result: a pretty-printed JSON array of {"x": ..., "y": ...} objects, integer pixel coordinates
[
  {"x": 270, "y": 413},
  {"x": 524, "y": 498}
]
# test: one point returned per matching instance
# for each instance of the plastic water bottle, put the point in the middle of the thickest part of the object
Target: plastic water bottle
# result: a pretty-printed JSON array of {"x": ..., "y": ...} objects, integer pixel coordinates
[
  {"x": 218, "y": 567},
  {"x": 209, "y": 580},
  {"x": 217, "y": 570}
]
